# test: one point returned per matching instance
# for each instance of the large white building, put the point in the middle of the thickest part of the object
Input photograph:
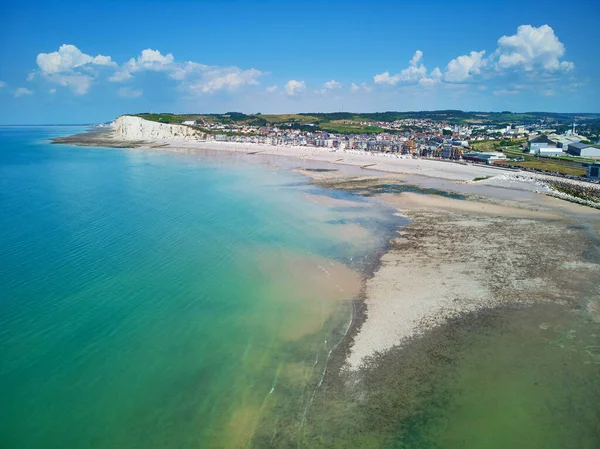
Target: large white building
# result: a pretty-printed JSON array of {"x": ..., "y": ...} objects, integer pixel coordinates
[{"x": 543, "y": 146}]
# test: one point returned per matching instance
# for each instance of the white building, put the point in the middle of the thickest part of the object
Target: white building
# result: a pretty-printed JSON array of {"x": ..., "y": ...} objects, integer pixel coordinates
[
  {"x": 543, "y": 146},
  {"x": 189, "y": 122}
]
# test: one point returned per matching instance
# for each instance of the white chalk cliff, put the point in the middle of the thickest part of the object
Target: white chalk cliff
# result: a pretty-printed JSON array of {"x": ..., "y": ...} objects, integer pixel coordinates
[{"x": 129, "y": 127}]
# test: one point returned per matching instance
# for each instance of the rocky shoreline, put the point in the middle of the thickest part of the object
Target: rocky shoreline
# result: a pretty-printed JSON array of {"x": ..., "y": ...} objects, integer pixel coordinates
[{"x": 462, "y": 255}]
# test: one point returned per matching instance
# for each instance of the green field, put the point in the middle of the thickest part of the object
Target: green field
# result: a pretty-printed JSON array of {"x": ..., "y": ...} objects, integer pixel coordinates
[
  {"x": 288, "y": 118},
  {"x": 567, "y": 165}
]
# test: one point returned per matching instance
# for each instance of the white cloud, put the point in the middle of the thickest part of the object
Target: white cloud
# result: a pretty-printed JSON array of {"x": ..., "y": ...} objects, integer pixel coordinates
[
  {"x": 292, "y": 87},
  {"x": 2, "y": 84},
  {"x": 333, "y": 84},
  {"x": 416, "y": 57},
  {"x": 151, "y": 60},
  {"x": 52, "y": 91},
  {"x": 22, "y": 91},
  {"x": 414, "y": 73},
  {"x": 532, "y": 48},
  {"x": 79, "y": 83},
  {"x": 67, "y": 58},
  {"x": 384, "y": 78},
  {"x": 548, "y": 92},
  {"x": 182, "y": 71},
  {"x": 148, "y": 59},
  {"x": 195, "y": 78},
  {"x": 434, "y": 78},
  {"x": 532, "y": 53},
  {"x": 62, "y": 67},
  {"x": 363, "y": 87},
  {"x": 271, "y": 89},
  {"x": 214, "y": 79},
  {"x": 501, "y": 92},
  {"x": 464, "y": 67},
  {"x": 567, "y": 66},
  {"x": 328, "y": 86},
  {"x": 120, "y": 76},
  {"x": 127, "y": 92}
]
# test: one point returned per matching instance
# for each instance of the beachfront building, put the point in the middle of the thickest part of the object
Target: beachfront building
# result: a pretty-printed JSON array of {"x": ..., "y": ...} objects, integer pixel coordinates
[{"x": 486, "y": 158}]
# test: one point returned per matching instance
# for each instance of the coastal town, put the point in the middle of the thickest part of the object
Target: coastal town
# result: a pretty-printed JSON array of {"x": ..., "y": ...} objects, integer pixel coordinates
[{"x": 570, "y": 150}]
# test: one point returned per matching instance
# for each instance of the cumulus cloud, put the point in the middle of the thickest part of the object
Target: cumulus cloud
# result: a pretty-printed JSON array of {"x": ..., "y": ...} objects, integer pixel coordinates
[
  {"x": 414, "y": 73},
  {"x": 363, "y": 87},
  {"x": 67, "y": 58},
  {"x": 151, "y": 60},
  {"x": 120, "y": 76},
  {"x": 328, "y": 86},
  {"x": 333, "y": 84},
  {"x": 293, "y": 87},
  {"x": 214, "y": 79},
  {"x": 464, "y": 67},
  {"x": 195, "y": 78},
  {"x": 148, "y": 59},
  {"x": 22, "y": 91},
  {"x": 434, "y": 78},
  {"x": 2, "y": 84},
  {"x": 63, "y": 67},
  {"x": 532, "y": 48},
  {"x": 532, "y": 53},
  {"x": 416, "y": 58},
  {"x": 271, "y": 89},
  {"x": 52, "y": 91}
]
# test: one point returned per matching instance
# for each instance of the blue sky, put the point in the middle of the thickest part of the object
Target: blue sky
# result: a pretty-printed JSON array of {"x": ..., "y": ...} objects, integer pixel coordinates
[{"x": 81, "y": 62}]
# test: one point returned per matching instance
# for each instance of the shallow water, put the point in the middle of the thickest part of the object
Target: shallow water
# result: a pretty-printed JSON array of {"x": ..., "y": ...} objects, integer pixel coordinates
[
  {"x": 526, "y": 377},
  {"x": 154, "y": 299}
]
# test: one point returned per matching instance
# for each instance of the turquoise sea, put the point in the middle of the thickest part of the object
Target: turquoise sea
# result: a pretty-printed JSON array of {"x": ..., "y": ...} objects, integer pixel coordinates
[
  {"x": 171, "y": 300},
  {"x": 160, "y": 300}
]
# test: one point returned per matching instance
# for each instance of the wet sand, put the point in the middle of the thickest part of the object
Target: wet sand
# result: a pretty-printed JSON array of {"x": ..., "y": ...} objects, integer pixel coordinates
[{"x": 462, "y": 255}]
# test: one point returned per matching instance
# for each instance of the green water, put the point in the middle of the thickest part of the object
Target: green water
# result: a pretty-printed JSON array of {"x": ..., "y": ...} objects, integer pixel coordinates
[
  {"x": 163, "y": 300},
  {"x": 517, "y": 377},
  {"x": 156, "y": 300}
]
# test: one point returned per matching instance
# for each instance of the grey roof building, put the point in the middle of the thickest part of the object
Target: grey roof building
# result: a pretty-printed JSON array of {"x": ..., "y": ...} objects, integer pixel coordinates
[{"x": 584, "y": 150}]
